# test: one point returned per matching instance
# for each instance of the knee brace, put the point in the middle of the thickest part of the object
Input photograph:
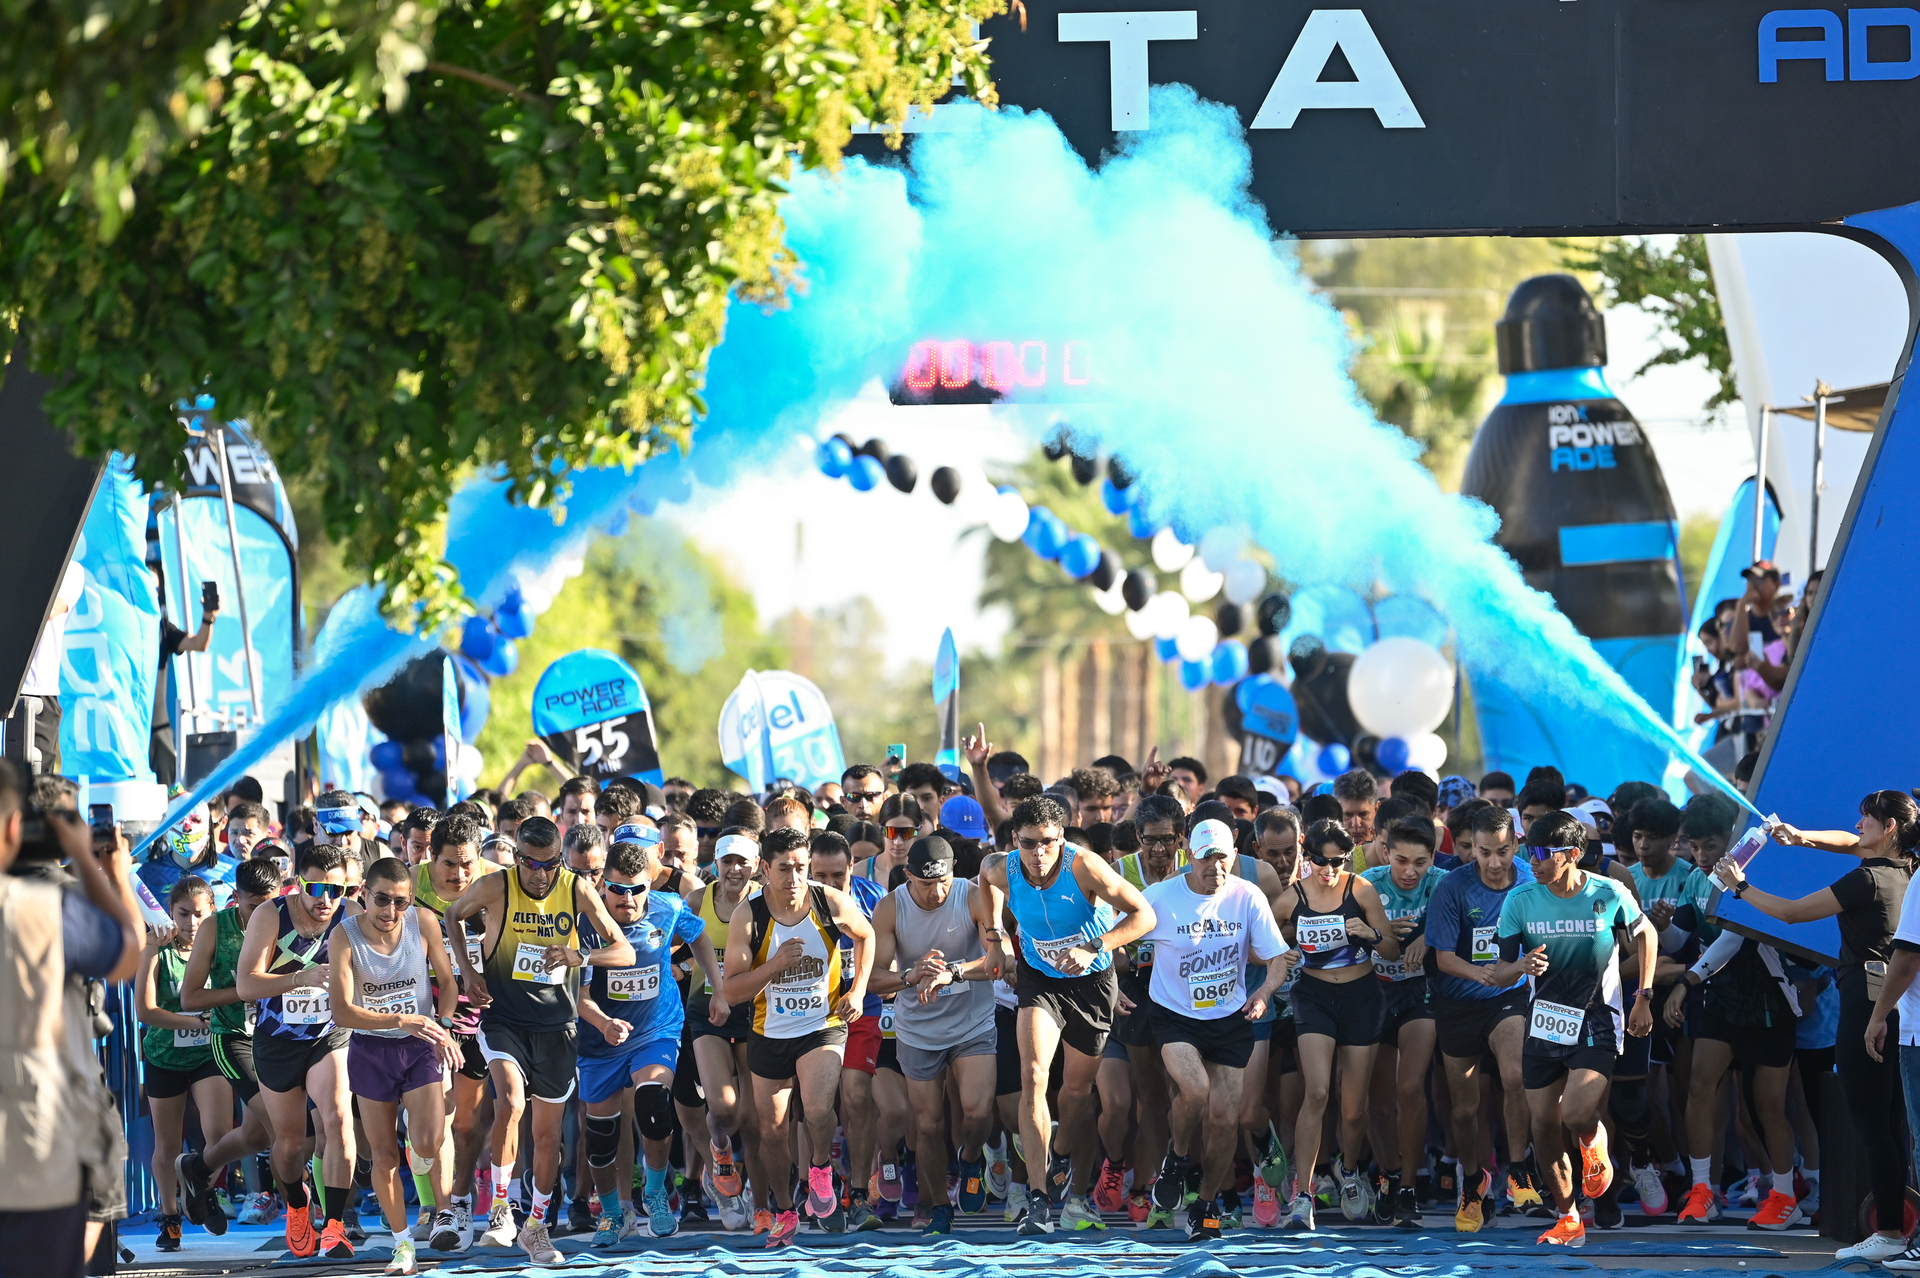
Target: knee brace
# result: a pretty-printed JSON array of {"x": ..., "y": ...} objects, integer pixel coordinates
[
  {"x": 1629, "y": 1104},
  {"x": 419, "y": 1165},
  {"x": 603, "y": 1139},
  {"x": 653, "y": 1111}
]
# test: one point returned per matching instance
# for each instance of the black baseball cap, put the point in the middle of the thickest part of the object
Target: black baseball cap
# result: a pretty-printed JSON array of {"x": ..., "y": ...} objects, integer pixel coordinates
[{"x": 930, "y": 858}]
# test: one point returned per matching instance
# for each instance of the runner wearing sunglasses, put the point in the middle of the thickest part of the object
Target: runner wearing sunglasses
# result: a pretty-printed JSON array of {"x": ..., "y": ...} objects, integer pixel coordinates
[
  {"x": 528, "y": 996},
  {"x": 299, "y": 1054},
  {"x": 1566, "y": 931}
]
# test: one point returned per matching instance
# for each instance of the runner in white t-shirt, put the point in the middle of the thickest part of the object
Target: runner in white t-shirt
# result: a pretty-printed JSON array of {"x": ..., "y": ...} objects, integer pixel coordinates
[{"x": 1208, "y": 926}]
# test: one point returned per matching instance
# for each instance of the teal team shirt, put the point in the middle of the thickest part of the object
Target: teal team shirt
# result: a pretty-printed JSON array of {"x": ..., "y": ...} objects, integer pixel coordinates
[
  {"x": 1689, "y": 890},
  {"x": 1403, "y": 905},
  {"x": 1581, "y": 987}
]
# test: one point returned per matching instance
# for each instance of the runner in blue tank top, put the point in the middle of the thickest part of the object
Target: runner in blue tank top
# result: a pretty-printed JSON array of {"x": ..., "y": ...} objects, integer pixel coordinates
[{"x": 1072, "y": 912}]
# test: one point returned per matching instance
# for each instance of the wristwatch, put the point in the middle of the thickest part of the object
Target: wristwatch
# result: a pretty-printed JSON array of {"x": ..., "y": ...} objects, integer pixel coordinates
[
  {"x": 1740, "y": 888},
  {"x": 446, "y": 1022}
]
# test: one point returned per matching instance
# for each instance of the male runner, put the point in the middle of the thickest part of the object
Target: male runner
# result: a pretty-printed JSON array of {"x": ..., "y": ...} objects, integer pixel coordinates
[
  {"x": 1474, "y": 1014},
  {"x": 1073, "y": 911},
  {"x": 717, "y": 1094},
  {"x": 1566, "y": 932},
  {"x": 863, "y": 788},
  {"x": 783, "y": 958},
  {"x": 382, "y": 985},
  {"x": 299, "y": 1053},
  {"x": 1209, "y": 925},
  {"x": 527, "y": 998},
  {"x": 1161, "y": 824},
  {"x": 942, "y": 1017},
  {"x": 631, "y": 1019}
]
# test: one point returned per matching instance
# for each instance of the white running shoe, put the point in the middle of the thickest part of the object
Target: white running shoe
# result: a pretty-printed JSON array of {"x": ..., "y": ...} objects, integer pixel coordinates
[
  {"x": 999, "y": 1171},
  {"x": 501, "y": 1231},
  {"x": 535, "y": 1241},
  {"x": 1016, "y": 1204},
  {"x": 403, "y": 1261},
  {"x": 1873, "y": 1249},
  {"x": 1652, "y": 1190}
]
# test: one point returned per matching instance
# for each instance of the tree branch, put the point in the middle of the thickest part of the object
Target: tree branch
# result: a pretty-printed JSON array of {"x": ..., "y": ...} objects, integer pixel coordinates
[{"x": 485, "y": 81}]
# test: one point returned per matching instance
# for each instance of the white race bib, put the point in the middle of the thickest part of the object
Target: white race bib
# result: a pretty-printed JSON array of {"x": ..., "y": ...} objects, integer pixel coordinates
[
  {"x": 400, "y": 1002},
  {"x": 634, "y": 984},
  {"x": 1557, "y": 1022},
  {"x": 477, "y": 950},
  {"x": 306, "y": 1007},
  {"x": 1486, "y": 947},
  {"x": 1322, "y": 933},
  {"x": 1143, "y": 956},
  {"x": 1391, "y": 969},
  {"x": 797, "y": 1000},
  {"x": 202, "y": 1037},
  {"x": 1051, "y": 952},
  {"x": 1210, "y": 989},
  {"x": 886, "y": 1019},
  {"x": 530, "y": 964}
]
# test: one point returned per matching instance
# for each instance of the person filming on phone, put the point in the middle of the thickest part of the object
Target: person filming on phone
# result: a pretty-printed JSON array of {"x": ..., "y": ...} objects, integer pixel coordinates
[{"x": 164, "y": 749}]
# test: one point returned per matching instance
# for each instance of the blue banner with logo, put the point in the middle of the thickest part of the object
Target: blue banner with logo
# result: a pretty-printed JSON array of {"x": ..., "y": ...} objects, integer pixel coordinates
[
  {"x": 592, "y": 711},
  {"x": 946, "y": 702},
  {"x": 1268, "y": 723},
  {"x": 113, "y": 639}
]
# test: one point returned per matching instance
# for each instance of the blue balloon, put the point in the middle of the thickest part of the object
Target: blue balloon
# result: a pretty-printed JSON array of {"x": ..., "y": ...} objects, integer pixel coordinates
[
  {"x": 1141, "y": 524},
  {"x": 397, "y": 782},
  {"x": 833, "y": 457},
  {"x": 1229, "y": 661},
  {"x": 1046, "y": 534},
  {"x": 1392, "y": 754},
  {"x": 514, "y": 623},
  {"x": 477, "y": 638},
  {"x": 503, "y": 660},
  {"x": 865, "y": 473},
  {"x": 476, "y": 699},
  {"x": 1080, "y": 556},
  {"x": 1333, "y": 760},
  {"x": 1167, "y": 649},
  {"x": 1193, "y": 675},
  {"x": 1118, "y": 501},
  {"x": 387, "y": 756}
]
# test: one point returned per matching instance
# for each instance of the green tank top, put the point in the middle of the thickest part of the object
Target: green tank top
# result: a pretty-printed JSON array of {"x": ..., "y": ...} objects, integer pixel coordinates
[
  {"x": 228, "y": 1018},
  {"x": 180, "y": 1050}
]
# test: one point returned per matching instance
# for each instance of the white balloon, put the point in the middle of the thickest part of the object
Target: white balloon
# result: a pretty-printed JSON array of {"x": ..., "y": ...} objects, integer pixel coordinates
[
  {"x": 1170, "y": 554},
  {"x": 1170, "y": 612},
  {"x": 1245, "y": 580},
  {"x": 1197, "y": 583},
  {"x": 1196, "y": 639},
  {"x": 470, "y": 763},
  {"x": 1220, "y": 547},
  {"x": 1110, "y": 600},
  {"x": 1008, "y": 520},
  {"x": 1400, "y": 687},
  {"x": 1140, "y": 621},
  {"x": 1426, "y": 751}
]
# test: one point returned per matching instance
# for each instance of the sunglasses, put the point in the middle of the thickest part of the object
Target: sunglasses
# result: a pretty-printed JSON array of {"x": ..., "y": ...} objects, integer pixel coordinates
[
  {"x": 625, "y": 889},
  {"x": 551, "y": 863},
  {"x": 899, "y": 833},
  {"x": 1034, "y": 845},
  {"x": 386, "y": 901},
  {"x": 708, "y": 831},
  {"x": 1337, "y": 858},
  {"x": 323, "y": 890},
  {"x": 1538, "y": 853},
  {"x": 865, "y": 796}
]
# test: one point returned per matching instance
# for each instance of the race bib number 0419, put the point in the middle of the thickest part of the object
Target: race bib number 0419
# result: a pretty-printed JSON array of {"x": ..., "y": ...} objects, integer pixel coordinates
[{"x": 634, "y": 984}]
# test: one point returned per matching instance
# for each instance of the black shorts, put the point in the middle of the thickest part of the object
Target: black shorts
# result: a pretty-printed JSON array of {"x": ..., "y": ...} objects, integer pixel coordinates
[
  {"x": 547, "y": 1059},
  {"x": 1135, "y": 1028},
  {"x": 233, "y": 1053},
  {"x": 1537, "y": 1071},
  {"x": 779, "y": 1058},
  {"x": 1400, "y": 1002},
  {"x": 686, "y": 1080},
  {"x": 281, "y": 1062},
  {"x": 1283, "y": 1050},
  {"x": 1762, "y": 1046},
  {"x": 738, "y": 1027},
  {"x": 1348, "y": 1013},
  {"x": 473, "y": 1061},
  {"x": 1465, "y": 1026},
  {"x": 1082, "y": 1006},
  {"x": 1226, "y": 1041},
  {"x": 888, "y": 1057},
  {"x": 1006, "y": 1052},
  {"x": 165, "y": 1084}
]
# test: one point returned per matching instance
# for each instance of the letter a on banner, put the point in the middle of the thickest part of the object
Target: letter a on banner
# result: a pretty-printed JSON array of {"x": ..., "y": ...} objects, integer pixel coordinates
[
  {"x": 592, "y": 711},
  {"x": 946, "y": 704}
]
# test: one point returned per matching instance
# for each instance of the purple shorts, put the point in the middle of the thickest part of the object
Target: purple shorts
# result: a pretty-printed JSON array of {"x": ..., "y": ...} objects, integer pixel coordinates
[{"x": 386, "y": 1069}]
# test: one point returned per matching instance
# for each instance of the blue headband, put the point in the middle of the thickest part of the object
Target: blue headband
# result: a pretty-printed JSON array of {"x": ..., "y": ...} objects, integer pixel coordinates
[
  {"x": 338, "y": 820},
  {"x": 645, "y": 835}
]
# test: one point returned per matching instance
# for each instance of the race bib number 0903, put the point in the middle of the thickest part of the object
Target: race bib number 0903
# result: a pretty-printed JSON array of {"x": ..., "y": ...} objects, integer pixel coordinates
[{"x": 1557, "y": 1022}]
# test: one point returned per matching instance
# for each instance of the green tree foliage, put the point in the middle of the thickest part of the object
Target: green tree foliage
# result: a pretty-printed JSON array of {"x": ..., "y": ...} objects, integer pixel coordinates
[
  {"x": 519, "y": 264},
  {"x": 1675, "y": 286}
]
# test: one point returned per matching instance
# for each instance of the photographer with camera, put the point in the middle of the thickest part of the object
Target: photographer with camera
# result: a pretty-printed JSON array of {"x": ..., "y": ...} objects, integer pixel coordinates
[{"x": 62, "y": 929}]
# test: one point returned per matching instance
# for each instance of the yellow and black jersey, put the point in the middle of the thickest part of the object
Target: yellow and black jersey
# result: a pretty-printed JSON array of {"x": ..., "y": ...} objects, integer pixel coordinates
[
  {"x": 525, "y": 994},
  {"x": 801, "y": 999}
]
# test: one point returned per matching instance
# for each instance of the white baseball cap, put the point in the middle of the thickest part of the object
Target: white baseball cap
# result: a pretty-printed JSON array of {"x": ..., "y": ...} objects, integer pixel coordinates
[
  {"x": 737, "y": 845},
  {"x": 1210, "y": 838}
]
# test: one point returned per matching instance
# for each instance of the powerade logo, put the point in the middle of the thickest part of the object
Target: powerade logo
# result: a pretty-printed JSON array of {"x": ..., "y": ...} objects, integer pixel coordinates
[
  {"x": 1813, "y": 35},
  {"x": 595, "y": 701},
  {"x": 1574, "y": 443}
]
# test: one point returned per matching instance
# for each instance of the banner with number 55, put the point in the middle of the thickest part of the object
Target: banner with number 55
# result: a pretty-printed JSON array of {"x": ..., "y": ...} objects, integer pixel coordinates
[{"x": 592, "y": 711}]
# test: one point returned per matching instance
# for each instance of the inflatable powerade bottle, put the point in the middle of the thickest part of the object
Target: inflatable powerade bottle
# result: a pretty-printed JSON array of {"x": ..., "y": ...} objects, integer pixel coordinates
[{"x": 1584, "y": 511}]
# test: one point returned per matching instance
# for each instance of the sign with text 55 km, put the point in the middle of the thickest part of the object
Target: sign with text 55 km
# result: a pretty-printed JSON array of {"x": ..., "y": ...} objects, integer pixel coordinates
[
  {"x": 592, "y": 711},
  {"x": 777, "y": 724}
]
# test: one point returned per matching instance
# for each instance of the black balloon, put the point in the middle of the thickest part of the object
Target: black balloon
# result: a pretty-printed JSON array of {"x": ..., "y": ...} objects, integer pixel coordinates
[
  {"x": 901, "y": 472},
  {"x": 1117, "y": 471},
  {"x": 432, "y": 784},
  {"x": 1055, "y": 447},
  {"x": 407, "y": 706},
  {"x": 1265, "y": 655},
  {"x": 945, "y": 483},
  {"x": 1229, "y": 619},
  {"x": 847, "y": 439},
  {"x": 1107, "y": 573},
  {"x": 1273, "y": 614},
  {"x": 417, "y": 755},
  {"x": 1138, "y": 588},
  {"x": 1085, "y": 469},
  {"x": 875, "y": 449},
  {"x": 1366, "y": 752}
]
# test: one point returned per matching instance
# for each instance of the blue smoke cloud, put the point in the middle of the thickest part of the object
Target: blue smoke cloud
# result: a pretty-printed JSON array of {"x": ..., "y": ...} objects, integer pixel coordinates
[{"x": 1221, "y": 377}]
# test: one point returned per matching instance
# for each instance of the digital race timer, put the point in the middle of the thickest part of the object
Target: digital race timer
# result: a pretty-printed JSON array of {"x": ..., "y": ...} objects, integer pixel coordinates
[{"x": 964, "y": 371}]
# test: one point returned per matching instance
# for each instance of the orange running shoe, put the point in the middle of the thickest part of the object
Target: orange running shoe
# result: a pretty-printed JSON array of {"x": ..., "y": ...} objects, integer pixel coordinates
[
  {"x": 1110, "y": 1193},
  {"x": 784, "y": 1230},
  {"x": 1779, "y": 1211},
  {"x": 726, "y": 1175},
  {"x": 1566, "y": 1232},
  {"x": 1699, "y": 1207},
  {"x": 1595, "y": 1164},
  {"x": 762, "y": 1220},
  {"x": 302, "y": 1240},
  {"x": 333, "y": 1242}
]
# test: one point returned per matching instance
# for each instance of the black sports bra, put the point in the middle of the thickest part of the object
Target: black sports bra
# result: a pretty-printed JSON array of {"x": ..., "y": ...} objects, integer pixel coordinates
[{"x": 1323, "y": 937}]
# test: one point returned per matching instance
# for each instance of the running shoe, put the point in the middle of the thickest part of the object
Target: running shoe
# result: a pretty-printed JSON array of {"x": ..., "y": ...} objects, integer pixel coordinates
[
  {"x": 1299, "y": 1214},
  {"x": 888, "y": 1184},
  {"x": 613, "y": 1222},
  {"x": 262, "y": 1209},
  {"x": 500, "y": 1231},
  {"x": 1385, "y": 1192},
  {"x": 783, "y": 1230},
  {"x": 999, "y": 1170},
  {"x": 860, "y": 1217},
  {"x": 1779, "y": 1211},
  {"x": 1907, "y": 1261},
  {"x": 1016, "y": 1200},
  {"x": 1607, "y": 1213},
  {"x": 973, "y": 1186},
  {"x": 1406, "y": 1209},
  {"x": 660, "y": 1221},
  {"x": 763, "y": 1221},
  {"x": 1167, "y": 1187},
  {"x": 1522, "y": 1192},
  {"x": 1059, "y": 1178},
  {"x": 1747, "y": 1192},
  {"x": 733, "y": 1208},
  {"x": 1229, "y": 1208},
  {"x": 1596, "y": 1167},
  {"x": 1139, "y": 1203},
  {"x": 227, "y": 1206},
  {"x": 445, "y": 1235},
  {"x": 939, "y": 1221},
  {"x": 1038, "y": 1217},
  {"x": 1110, "y": 1191},
  {"x": 334, "y": 1243},
  {"x": 1810, "y": 1200},
  {"x": 403, "y": 1261},
  {"x": 538, "y": 1244},
  {"x": 580, "y": 1213},
  {"x": 1566, "y": 1232},
  {"x": 302, "y": 1238},
  {"x": 693, "y": 1208},
  {"x": 723, "y": 1174},
  {"x": 422, "y": 1226},
  {"x": 463, "y": 1221},
  {"x": 1467, "y": 1217},
  {"x": 821, "y": 1197},
  {"x": 1874, "y": 1249},
  {"x": 1355, "y": 1195},
  {"x": 350, "y": 1225},
  {"x": 1079, "y": 1213},
  {"x": 1699, "y": 1206},
  {"x": 1266, "y": 1206},
  {"x": 169, "y": 1239},
  {"x": 1203, "y": 1222},
  {"x": 196, "y": 1186},
  {"x": 1273, "y": 1168},
  {"x": 1652, "y": 1189},
  {"x": 1325, "y": 1191}
]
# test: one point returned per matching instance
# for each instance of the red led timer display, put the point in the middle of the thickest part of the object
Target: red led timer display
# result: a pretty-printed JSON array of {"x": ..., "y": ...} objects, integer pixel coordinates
[{"x": 966, "y": 371}]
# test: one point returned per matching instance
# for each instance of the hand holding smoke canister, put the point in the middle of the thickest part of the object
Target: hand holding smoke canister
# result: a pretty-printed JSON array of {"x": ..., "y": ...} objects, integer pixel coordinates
[{"x": 1732, "y": 868}]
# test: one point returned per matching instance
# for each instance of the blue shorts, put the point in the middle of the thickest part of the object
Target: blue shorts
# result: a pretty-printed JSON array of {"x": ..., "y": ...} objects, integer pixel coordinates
[{"x": 604, "y": 1077}]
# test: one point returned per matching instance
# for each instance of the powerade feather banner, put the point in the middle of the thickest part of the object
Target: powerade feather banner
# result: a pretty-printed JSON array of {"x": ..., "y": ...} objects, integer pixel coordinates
[{"x": 592, "y": 711}]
